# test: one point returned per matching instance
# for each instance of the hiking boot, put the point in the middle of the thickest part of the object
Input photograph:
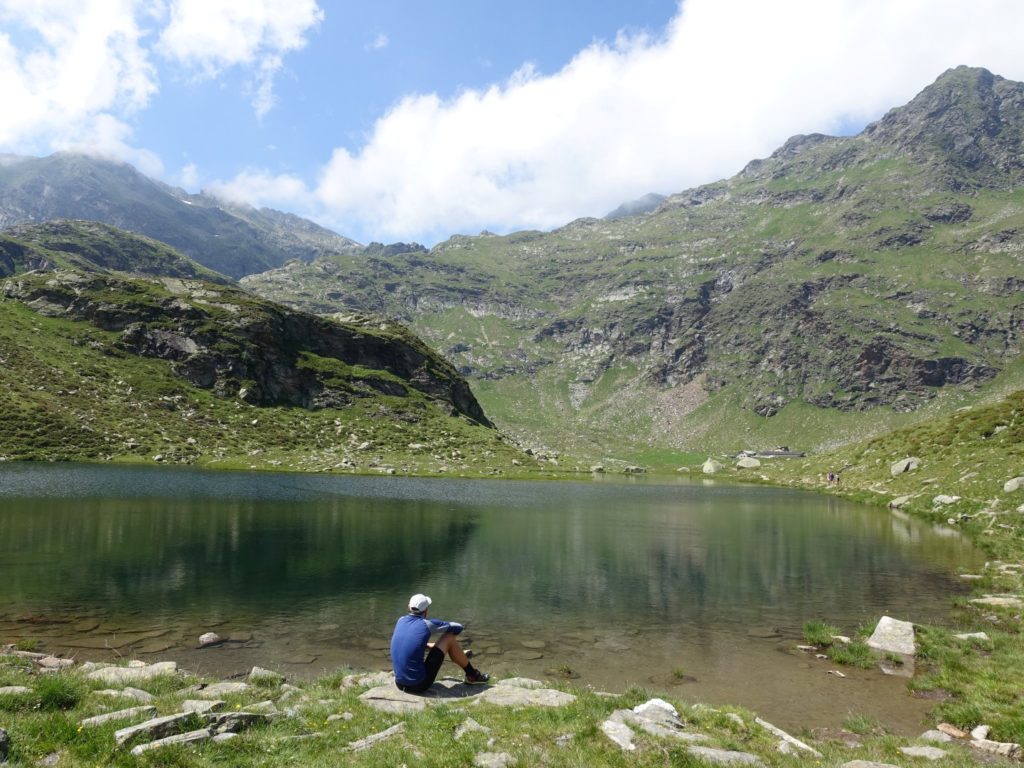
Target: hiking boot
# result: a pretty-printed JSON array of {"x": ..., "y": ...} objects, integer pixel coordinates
[{"x": 476, "y": 677}]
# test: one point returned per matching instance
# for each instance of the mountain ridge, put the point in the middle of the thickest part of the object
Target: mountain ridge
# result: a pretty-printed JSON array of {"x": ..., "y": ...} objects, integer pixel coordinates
[
  {"x": 847, "y": 274},
  {"x": 232, "y": 239}
]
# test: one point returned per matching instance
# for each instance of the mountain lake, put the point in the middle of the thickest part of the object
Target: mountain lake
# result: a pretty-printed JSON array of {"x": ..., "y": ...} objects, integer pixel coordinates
[{"x": 695, "y": 588}]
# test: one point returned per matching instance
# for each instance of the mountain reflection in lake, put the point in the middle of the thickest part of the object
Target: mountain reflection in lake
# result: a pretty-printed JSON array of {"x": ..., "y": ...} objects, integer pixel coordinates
[{"x": 620, "y": 582}]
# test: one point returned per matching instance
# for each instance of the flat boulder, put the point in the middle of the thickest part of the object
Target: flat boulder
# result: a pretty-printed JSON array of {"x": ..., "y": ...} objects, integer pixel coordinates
[
  {"x": 748, "y": 462},
  {"x": 509, "y": 696},
  {"x": 893, "y": 636},
  {"x": 14, "y": 690},
  {"x": 521, "y": 682},
  {"x": 944, "y": 500},
  {"x": 711, "y": 466},
  {"x": 125, "y": 675},
  {"x": 132, "y": 713},
  {"x": 203, "y": 734},
  {"x": 389, "y": 698}
]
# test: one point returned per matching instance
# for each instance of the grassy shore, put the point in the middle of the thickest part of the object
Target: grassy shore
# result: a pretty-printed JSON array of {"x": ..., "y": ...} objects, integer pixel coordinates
[
  {"x": 316, "y": 723},
  {"x": 967, "y": 458}
]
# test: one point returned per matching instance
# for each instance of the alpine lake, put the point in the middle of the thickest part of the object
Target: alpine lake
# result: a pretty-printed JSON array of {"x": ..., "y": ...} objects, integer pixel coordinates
[{"x": 691, "y": 588}]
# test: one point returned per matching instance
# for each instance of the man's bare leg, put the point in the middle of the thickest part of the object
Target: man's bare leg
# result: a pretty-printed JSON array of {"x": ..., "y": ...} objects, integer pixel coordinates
[{"x": 450, "y": 644}]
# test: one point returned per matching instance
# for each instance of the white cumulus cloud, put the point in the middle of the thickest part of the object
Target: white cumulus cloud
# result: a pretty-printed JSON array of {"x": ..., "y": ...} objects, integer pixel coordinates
[
  {"x": 63, "y": 64},
  {"x": 213, "y": 35},
  {"x": 727, "y": 81}
]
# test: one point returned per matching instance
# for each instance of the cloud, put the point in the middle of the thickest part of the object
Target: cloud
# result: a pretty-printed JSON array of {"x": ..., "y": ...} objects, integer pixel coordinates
[
  {"x": 264, "y": 189},
  {"x": 107, "y": 137},
  {"x": 380, "y": 42},
  {"x": 214, "y": 35},
  {"x": 63, "y": 63},
  {"x": 727, "y": 81}
]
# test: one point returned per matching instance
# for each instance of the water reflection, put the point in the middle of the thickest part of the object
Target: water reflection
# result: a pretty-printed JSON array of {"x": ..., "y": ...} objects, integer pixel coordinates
[{"x": 93, "y": 538}]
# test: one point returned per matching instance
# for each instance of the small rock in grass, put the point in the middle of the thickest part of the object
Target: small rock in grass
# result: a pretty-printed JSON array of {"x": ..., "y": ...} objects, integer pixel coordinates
[
  {"x": 936, "y": 737},
  {"x": 226, "y": 688},
  {"x": 620, "y": 733},
  {"x": 261, "y": 675},
  {"x": 981, "y": 637},
  {"x": 952, "y": 730},
  {"x": 470, "y": 726},
  {"x": 725, "y": 757},
  {"x": 929, "y": 753},
  {"x": 220, "y": 738},
  {"x": 1013, "y": 484},
  {"x": 980, "y": 732},
  {"x": 494, "y": 760},
  {"x": 14, "y": 690}
]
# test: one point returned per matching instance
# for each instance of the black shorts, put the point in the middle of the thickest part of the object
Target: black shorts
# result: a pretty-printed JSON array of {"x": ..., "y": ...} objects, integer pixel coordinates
[{"x": 432, "y": 665}]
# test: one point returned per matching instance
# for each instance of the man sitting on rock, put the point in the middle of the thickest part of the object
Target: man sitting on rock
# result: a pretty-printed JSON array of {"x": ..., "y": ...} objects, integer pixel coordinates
[{"x": 414, "y": 672}]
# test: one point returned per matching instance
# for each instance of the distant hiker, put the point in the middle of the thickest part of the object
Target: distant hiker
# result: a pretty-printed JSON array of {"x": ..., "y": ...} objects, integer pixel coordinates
[{"x": 414, "y": 672}]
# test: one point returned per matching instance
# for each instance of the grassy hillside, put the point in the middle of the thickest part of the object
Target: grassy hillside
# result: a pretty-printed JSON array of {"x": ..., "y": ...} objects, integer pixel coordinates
[{"x": 101, "y": 362}]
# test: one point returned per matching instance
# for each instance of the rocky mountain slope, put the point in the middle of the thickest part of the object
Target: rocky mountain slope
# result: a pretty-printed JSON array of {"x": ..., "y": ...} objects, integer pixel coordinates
[
  {"x": 232, "y": 239},
  {"x": 114, "y": 346},
  {"x": 841, "y": 286}
]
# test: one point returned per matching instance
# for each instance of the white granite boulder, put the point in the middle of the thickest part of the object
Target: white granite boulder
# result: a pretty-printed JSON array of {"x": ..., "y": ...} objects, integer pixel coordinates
[
  {"x": 893, "y": 636},
  {"x": 711, "y": 466}
]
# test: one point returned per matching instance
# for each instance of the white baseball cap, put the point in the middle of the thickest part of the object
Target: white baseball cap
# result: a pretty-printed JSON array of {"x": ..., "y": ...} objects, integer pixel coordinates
[{"x": 419, "y": 603}]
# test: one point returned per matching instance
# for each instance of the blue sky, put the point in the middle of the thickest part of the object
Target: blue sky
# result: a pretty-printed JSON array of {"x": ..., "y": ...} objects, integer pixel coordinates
[
  {"x": 361, "y": 59},
  {"x": 415, "y": 120}
]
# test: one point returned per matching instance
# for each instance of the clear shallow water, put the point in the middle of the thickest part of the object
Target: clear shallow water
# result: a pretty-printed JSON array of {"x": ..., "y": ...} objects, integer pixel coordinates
[{"x": 619, "y": 582}]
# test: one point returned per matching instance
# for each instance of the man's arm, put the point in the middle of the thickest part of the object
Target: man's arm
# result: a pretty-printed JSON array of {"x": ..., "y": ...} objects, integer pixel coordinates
[{"x": 440, "y": 625}]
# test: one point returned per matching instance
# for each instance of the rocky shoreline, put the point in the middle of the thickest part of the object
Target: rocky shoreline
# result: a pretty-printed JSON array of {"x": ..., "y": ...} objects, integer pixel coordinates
[{"x": 182, "y": 711}]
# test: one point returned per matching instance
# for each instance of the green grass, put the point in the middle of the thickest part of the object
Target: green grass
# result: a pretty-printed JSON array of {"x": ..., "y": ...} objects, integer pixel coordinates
[
  {"x": 565, "y": 736},
  {"x": 817, "y": 632}
]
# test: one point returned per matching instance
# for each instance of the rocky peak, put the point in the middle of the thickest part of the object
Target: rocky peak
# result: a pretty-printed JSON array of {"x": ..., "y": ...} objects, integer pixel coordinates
[{"x": 969, "y": 118}]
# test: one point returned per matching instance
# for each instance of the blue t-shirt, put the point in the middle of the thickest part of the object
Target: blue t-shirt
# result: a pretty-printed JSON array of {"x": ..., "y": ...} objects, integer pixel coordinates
[{"x": 409, "y": 645}]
